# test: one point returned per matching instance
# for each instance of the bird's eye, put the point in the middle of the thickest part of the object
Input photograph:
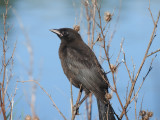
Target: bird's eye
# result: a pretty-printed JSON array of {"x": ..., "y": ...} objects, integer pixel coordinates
[{"x": 65, "y": 33}]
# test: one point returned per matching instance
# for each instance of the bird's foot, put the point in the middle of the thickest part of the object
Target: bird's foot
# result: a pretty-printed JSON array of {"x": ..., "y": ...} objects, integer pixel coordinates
[{"x": 76, "y": 109}]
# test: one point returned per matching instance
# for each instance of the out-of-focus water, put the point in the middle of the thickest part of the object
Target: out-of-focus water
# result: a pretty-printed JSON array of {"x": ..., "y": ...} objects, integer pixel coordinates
[{"x": 35, "y": 18}]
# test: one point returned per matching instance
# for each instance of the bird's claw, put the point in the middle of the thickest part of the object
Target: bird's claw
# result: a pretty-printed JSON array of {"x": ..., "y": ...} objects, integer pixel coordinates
[{"x": 76, "y": 109}]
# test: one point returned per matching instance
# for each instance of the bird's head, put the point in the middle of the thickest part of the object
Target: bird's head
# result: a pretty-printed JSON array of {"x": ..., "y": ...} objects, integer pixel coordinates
[{"x": 66, "y": 34}]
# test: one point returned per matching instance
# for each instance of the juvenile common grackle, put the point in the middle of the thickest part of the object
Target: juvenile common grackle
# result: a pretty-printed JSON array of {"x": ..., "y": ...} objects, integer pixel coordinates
[{"x": 81, "y": 66}]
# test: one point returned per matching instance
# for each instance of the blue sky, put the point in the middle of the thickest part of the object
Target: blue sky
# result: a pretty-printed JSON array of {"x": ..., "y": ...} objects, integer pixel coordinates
[{"x": 135, "y": 26}]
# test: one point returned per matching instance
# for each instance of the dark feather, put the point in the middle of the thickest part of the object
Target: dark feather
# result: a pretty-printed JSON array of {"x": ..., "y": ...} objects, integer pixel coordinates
[{"x": 81, "y": 66}]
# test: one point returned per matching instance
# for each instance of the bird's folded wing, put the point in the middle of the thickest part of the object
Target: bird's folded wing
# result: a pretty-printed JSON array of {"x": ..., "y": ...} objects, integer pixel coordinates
[{"x": 86, "y": 71}]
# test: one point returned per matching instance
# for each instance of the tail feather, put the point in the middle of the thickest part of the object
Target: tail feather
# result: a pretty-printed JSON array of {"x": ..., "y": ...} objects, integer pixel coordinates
[{"x": 106, "y": 111}]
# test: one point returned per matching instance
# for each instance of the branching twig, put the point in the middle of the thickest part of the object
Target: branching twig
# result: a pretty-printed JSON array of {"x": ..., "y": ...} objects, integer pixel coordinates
[
  {"x": 158, "y": 50},
  {"x": 107, "y": 56},
  {"x": 4, "y": 64},
  {"x": 139, "y": 70},
  {"x": 149, "y": 70}
]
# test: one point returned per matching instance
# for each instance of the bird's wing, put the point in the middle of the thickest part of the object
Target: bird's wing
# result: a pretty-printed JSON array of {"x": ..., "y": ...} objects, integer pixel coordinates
[{"x": 88, "y": 71}]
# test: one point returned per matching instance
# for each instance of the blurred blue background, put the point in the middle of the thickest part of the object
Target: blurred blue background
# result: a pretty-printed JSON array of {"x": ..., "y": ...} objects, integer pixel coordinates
[{"x": 37, "y": 17}]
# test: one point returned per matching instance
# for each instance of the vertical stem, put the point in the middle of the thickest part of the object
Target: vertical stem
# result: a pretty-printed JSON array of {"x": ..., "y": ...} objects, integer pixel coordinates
[
  {"x": 2, "y": 93},
  {"x": 93, "y": 18},
  {"x": 90, "y": 107},
  {"x": 88, "y": 22}
]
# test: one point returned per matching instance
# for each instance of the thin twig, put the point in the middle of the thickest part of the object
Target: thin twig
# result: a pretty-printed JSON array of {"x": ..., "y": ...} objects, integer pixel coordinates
[
  {"x": 135, "y": 106},
  {"x": 151, "y": 13},
  {"x": 121, "y": 45},
  {"x": 141, "y": 106},
  {"x": 127, "y": 91},
  {"x": 13, "y": 101},
  {"x": 126, "y": 65},
  {"x": 36, "y": 82},
  {"x": 107, "y": 55},
  {"x": 90, "y": 107},
  {"x": 4, "y": 41},
  {"x": 94, "y": 3},
  {"x": 158, "y": 50},
  {"x": 12, "y": 54},
  {"x": 149, "y": 70},
  {"x": 139, "y": 70},
  {"x": 75, "y": 111},
  {"x": 88, "y": 20},
  {"x": 133, "y": 73},
  {"x": 11, "y": 109},
  {"x": 117, "y": 20},
  {"x": 71, "y": 96},
  {"x": 114, "y": 82},
  {"x": 87, "y": 107}
]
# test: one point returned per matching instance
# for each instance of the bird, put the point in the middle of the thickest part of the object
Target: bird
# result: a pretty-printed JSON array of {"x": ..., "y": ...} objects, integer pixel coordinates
[{"x": 83, "y": 70}]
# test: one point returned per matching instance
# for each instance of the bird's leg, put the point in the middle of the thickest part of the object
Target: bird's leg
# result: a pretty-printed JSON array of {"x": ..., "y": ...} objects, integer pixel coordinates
[
  {"x": 78, "y": 104},
  {"x": 84, "y": 98}
]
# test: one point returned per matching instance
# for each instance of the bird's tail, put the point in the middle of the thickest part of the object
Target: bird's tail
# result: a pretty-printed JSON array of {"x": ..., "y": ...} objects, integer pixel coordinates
[{"x": 106, "y": 111}]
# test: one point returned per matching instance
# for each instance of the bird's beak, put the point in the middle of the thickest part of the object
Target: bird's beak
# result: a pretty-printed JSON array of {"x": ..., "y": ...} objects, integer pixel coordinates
[{"x": 56, "y": 31}]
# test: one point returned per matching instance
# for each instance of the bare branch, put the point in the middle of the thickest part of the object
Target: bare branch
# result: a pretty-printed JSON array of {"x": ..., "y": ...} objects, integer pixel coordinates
[
  {"x": 94, "y": 3},
  {"x": 121, "y": 47},
  {"x": 149, "y": 70},
  {"x": 76, "y": 107},
  {"x": 151, "y": 13},
  {"x": 71, "y": 96},
  {"x": 4, "y": 41},
  {"x": 139, "y": 70},
  {"x": 36, "y": 82},
  {"x": 135, "y": 106},
  {"x": 126, "y": 65},
  {"x": 90, "y": 107},
  {"x": 153, "y": 52},
  {"x": 86, "y": 4}
]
